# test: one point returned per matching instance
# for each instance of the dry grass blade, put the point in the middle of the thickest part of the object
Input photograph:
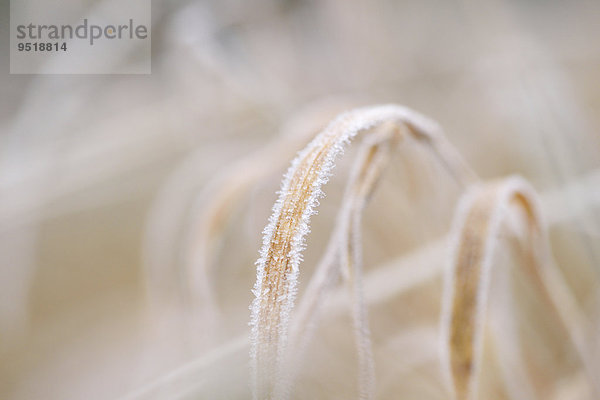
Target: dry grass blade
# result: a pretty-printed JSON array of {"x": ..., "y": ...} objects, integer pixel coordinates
[
  {"x": 227, "y": 188},
  {"x": 369, "y": 167},
  {"x": 477, "y": 225},
  {"x": 344, "y": 246},
  {"x": 283, "y": 242},
  {"x": 224, "y": 192}
]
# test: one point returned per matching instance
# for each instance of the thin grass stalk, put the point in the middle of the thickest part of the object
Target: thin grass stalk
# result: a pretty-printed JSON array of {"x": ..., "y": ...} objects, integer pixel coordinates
[
  {"x": 352, "y": 262},
  {"x": 367, "y": 168},
  {"x": 477, "y": 225},
  {"x": 506, "y": 340},
  {"x": 344, "y": 246},
  {"x": 371, "y": 164},
  {"x": 283, "y": 241}
]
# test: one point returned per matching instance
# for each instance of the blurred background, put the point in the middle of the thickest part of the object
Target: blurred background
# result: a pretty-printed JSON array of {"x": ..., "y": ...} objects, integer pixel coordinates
[{"x": 111, "y": 186}]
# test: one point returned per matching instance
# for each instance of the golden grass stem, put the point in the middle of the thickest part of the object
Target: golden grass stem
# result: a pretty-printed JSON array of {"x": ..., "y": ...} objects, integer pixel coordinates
[
  {"x": 226, "y": 189},
  {"x": 345, "y": 246},
  {"x": 478, "y": 222},
  {"x": 283, "y": 242}
]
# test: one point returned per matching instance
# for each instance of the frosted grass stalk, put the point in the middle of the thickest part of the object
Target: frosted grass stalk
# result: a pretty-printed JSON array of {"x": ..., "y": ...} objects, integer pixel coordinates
[
  {"x": 283, "y": 241},
  {"x": 477, "y": 225}
]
